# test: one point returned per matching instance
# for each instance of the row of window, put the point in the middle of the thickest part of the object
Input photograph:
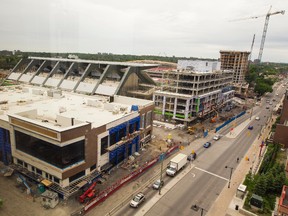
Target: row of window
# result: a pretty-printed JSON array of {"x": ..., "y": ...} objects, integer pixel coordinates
[{"x": 39, "y": 172}]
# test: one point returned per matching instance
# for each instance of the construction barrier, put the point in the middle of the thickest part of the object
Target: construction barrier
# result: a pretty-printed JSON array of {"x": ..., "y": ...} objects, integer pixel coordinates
[
  {"x": 230, "y": 120},
  {"x": 102, "y": 196}
]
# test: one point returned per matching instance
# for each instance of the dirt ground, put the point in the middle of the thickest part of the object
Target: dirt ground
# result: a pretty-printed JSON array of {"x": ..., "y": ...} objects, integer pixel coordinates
[{"x": 18, "y": 202}]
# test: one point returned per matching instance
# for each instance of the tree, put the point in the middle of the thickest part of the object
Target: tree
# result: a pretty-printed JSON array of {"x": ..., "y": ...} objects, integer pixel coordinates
[{"x": 261, "y": 185}]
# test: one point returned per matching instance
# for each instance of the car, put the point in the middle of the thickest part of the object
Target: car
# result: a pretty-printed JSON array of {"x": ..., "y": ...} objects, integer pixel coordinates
[
  {"x": 270, "y": 103},
  {"x": 137, "y": 200},
  {"x": 217, "y": 137},
  {"x": 207, "y": 145},
  {"x": 267, "y": 107},
  {"x": 250, "y": 127},
  {"x": 192, "y": 157},
  {"x": 277, "y": 94},
  {"x": 157, "y": 184},
  {"x": 257, "y": 118}
]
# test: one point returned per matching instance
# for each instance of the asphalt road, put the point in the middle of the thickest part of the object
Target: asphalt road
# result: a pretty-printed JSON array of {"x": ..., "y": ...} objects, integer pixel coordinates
[{"x": 205, "y": 181}]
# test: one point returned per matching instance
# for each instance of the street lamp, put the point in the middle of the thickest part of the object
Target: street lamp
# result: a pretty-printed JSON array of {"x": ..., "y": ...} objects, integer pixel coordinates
[{"x": 231, "y": 170}]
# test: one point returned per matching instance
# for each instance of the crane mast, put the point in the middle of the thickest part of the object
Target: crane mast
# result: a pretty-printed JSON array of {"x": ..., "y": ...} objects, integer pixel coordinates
[{"x": 265, "y": 31}]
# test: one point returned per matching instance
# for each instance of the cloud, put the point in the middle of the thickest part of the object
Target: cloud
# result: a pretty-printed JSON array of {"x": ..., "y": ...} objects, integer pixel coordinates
[{"x": 180, "y": 28}]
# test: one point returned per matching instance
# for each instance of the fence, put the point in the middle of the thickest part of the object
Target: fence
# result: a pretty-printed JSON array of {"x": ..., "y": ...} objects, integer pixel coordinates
[
  {"x": 230, "y": 120},
  {"x": 117, "y": 185}
]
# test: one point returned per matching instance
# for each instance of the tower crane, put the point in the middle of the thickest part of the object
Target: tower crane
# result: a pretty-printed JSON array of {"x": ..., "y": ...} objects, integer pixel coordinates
[{"x": 265, "y": 28}]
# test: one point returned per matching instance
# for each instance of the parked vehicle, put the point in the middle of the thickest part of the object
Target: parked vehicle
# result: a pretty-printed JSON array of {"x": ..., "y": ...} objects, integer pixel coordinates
[
  {"x": 257, "y": 118},
  {"x": 157, "y": 184},
  {"x": 176, "y": 164},
  {"x": 88, "y": 194},
  {"x": 217, "y": 137},
  {"x": 250, "y": 127},
  {"x": 192, "y": 157},
  {"x": 137, "y": 200},
  {"x": 207, "y": 145}
]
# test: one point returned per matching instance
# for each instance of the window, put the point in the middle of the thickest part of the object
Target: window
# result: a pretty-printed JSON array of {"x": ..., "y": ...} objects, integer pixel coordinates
[
  {"x": 112, "y": 138},
  {"x": 58, "y": 156},
  {"x": 122, "y": 133},
  {"x": 104, "y": 145},
  {"x": 56, "y": 180},
  {"x": 76, "y": 176},
  {"x": 93, "y": 167},
  {"x": 39, "y": 171},
  {"x": 20, "y": 162}
]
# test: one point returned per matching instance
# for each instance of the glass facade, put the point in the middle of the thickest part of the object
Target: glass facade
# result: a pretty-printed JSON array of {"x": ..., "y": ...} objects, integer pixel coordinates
[{"x": 60, "y": 157}]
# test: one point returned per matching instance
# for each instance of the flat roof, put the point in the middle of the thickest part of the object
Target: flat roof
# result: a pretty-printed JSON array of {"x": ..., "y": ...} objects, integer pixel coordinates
[
  {"x": 34, "y": 104},
  {"x": 132, "y": 64}
]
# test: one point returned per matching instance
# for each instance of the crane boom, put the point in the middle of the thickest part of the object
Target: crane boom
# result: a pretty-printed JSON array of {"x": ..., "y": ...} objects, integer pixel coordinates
[{"x": 265, "y": 31}]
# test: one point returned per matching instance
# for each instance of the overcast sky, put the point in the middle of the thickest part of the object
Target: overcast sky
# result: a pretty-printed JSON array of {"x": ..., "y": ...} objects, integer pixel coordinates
[{"x": 152, "y": 27}]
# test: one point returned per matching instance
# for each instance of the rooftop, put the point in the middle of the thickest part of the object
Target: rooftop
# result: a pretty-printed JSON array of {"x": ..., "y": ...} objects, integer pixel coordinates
[{"x": 56, "y": 109}]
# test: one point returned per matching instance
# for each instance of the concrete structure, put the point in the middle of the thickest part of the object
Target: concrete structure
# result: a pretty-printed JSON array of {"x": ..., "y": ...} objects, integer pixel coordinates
[
  {"x": 281, "y": 132},
  {"x": 198, "y": 65},
  {"x": 238, "y": 62},
  {"x": 186, "y": 95},
  {"x": 65, "y": 137},
  {"x": 283, "y": 202},
  {"x": 86, "y": 76}
]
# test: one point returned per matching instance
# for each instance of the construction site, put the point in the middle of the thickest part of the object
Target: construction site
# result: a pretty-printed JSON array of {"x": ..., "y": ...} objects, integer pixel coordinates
[{"x": 73, "y": 174}]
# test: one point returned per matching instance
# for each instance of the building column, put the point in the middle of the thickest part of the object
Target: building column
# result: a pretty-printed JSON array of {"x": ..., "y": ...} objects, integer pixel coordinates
[
  {"x": 186, "y": 109},
  {"x": 164, "y": 104},
  {"x": 175, "y": 107}
]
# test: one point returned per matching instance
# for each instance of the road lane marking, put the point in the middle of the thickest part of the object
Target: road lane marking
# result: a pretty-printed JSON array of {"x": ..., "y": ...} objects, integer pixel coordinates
[
  {"x": 211, "y": 173},
  {"x": 193, "y": 174}
]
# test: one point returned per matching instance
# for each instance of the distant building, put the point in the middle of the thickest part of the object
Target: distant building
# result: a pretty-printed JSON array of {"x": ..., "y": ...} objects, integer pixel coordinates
[
  {"x": 86, "y": 76},
  {"x": 281, "y": 132},
  {"x": 198, "y": 65},
  {"x": 283, "y": 202},
  {"x": 236, "y": 61}
]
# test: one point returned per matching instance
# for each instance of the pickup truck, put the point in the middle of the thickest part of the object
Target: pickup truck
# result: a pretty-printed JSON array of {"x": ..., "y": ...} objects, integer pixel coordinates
[{"x": 176, "y": 164}]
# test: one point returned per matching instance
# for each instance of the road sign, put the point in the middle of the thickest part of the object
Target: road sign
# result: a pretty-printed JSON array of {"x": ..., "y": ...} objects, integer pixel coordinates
[{"x": 162, "y": 156}]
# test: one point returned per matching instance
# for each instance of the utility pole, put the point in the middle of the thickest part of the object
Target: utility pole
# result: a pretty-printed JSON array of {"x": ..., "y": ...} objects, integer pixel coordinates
[
  {"x": 231, "y": 170},
  {"x": 161, "y": 157}
]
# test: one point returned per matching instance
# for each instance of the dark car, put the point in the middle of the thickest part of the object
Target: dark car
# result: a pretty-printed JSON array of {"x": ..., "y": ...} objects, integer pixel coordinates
[
  {"x": 207, "y": 145},
  {"x": 250, "y": 127},
  {"x": 192, "y": 157}
]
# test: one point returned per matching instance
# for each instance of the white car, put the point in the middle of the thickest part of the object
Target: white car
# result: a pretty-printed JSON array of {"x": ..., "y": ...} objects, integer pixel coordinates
[
  {"x": 137, "y": 200},
  {"x": 217, "y": 137},
  {"x": 257, "y": 118}
]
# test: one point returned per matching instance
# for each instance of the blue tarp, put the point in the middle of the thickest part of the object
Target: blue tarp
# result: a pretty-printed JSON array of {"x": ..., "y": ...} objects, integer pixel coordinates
[
  {"x": 5, "y": 145},
  {"x": 118, "y": 153},
  {"x": 230, "y": 120},
  {"x": 134, "y": 108}
]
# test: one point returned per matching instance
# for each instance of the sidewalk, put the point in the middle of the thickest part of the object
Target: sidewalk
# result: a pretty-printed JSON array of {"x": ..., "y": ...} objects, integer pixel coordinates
[{"x": 226, "y": 202}]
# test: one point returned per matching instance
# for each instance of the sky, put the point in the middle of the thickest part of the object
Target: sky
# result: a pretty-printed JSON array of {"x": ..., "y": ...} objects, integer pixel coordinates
[{"x": 182, "y": 28}]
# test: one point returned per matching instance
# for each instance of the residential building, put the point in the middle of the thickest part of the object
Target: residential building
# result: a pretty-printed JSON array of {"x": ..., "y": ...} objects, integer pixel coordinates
[
  {"x": 236, "y": 61},
  {"x": 283, "y": 202},
  {"x": 281, "y": 131}
]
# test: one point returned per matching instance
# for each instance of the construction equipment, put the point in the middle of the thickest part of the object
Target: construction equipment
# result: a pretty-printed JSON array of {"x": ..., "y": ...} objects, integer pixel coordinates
[
  {"x": 88, "y": 194},
  {"x": 191, "y": 129},
  {"x": 213, "y": 120},
  {"x": 264, "y": 29},
  {"x": 23, "y": 180}
]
